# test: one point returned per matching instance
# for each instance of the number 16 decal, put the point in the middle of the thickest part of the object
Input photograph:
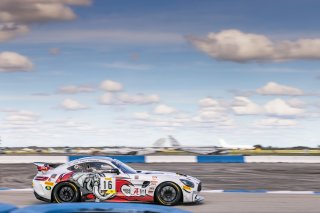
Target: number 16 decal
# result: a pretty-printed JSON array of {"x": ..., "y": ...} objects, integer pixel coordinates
[{"x": 108, "y": 185}]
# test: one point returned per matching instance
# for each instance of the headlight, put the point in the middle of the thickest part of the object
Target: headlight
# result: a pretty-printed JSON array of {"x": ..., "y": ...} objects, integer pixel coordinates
[{"x": 187, "y": 183}]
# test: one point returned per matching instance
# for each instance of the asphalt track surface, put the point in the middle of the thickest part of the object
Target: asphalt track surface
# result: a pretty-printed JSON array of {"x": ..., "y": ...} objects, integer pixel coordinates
[
  {"x": 272, "y": 176},
  {"x": 221, "y": 202},
  {"x": 294, "y": 177}
]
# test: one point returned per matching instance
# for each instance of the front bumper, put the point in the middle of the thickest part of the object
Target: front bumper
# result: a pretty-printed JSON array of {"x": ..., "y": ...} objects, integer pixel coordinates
[{"x": 198, "y": 199}]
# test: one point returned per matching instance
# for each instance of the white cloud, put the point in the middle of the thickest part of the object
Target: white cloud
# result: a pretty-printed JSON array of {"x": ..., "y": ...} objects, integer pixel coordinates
[
  {"x": 107, "y": 99},
  {"x": 208, "y": 102},
  {"x": 244, "y": 106},
  {"x": 21, "y": 116},
  {"x": 10, "y": 30},
  {"x": 111, "y": 86},
  {"x": 12, "y": 62},
  {"x": 141, "y": 115},
  {"x": 124, "y": 98},
  {"x": 213, "y": 117},
  {"x": 15, "y": 15},
  {"x": 273, "y": 88},
  {"x": 276, "y": 122},
  {"x": 234, "y": 45},
  {"x": 279, "y": 107},
  {"x": 164, "y": 109},
  {"x": 127, "y": 66},
  {"x": 70, "y": 104},
  {"x": 72, "y": 89},
  {"x": 138, "y": 99},
  {"x": 297, "y": 103},
  {"x": 38, "y": 10},
  {"x": 206, "y": 114}
]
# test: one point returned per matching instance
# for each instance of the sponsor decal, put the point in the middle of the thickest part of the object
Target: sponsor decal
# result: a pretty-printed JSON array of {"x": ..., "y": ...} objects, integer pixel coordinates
[
  {"x": 110, "y": 191},
  {"x": 126, "y": 190},
  {"x": 187, "y": 188},
  {"x": 154, "y": 178},
  {"x": 153, "y": 183},
  {"x": 49, "y": 183},
  {"x": 136, "y": 177},
  {"x": 90, "y": 196},
  {"x": 48, "y": 187},
  {"x": 133, "y": 191},
  {"x": 151, "y": 190}
]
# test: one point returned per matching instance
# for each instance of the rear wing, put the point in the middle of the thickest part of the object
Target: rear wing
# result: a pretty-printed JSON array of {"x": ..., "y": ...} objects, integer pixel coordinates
[{"x": 44, "y": 167}]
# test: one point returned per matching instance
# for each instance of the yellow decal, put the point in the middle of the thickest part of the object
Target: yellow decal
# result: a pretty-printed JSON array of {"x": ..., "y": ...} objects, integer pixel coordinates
[
  {"x": 108, "y": 178},
  {"x": 111, "y": 191},
  {"x": 187, "y": 188},
  {"x": 49, "y": 183}
]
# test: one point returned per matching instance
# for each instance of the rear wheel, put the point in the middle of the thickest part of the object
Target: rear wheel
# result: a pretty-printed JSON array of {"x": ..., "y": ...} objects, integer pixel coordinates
[
  {"x": 168, "y": 194},
  {"x": 65, "y": 193}
]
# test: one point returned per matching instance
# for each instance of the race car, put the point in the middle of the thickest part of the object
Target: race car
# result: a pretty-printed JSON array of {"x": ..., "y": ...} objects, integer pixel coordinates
[{"x": 104, "y": 179}]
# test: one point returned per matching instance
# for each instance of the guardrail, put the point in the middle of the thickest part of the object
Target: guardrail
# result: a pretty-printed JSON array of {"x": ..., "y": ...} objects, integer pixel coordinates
[{"x": 169, "y": 159}]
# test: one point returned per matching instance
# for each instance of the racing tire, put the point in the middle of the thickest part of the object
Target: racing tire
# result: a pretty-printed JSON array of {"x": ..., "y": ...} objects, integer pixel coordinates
[
  {"x": 168, "y": 194},
  {"x": 66, "y": 192}
]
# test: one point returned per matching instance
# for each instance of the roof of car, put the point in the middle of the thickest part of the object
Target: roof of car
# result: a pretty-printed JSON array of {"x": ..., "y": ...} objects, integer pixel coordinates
[{"x": 93, "y": 158}]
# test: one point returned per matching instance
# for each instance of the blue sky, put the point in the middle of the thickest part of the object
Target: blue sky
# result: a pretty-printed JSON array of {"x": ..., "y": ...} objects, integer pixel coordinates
[{"x": 120, "y": 72}]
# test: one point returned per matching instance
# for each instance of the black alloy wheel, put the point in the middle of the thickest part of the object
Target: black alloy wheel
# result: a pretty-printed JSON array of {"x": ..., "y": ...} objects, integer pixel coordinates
[
  {"x": 66, "y": 192},
  {"x": 168, "y": 194}
]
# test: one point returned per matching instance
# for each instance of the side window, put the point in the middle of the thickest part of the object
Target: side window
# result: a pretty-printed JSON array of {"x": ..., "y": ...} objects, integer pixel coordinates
[
  {"x": 82, "y": 167},
  {"x": 98, "y": 167},
  {"x": 90, "y": 167}
]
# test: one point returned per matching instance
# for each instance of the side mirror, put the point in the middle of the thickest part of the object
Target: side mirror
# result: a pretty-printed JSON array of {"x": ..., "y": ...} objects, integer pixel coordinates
[{"x": 116, "y": 171}]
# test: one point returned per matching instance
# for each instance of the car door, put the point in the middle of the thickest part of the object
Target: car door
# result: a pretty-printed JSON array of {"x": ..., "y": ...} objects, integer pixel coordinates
[{"x": 105, "y": 176}]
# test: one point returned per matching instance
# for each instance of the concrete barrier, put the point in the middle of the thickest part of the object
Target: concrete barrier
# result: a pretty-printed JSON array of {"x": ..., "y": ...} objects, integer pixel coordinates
[
  {"x": 123, "y": 158},
  {"x": 220, "y": 159},
  {"x": 171, "y": 159},
  {"x": 282, "y": 159},
  {"x": 11, "y": 159}
]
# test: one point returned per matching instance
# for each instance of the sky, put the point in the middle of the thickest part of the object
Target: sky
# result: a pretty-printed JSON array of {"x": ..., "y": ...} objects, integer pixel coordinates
[{"x": 126, "y": 73}]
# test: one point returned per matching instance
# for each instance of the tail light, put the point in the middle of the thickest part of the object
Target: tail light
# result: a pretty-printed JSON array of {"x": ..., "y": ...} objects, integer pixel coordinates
[
  {"x": 43, "y": 168},
  {"x": 41, "y": 178}
]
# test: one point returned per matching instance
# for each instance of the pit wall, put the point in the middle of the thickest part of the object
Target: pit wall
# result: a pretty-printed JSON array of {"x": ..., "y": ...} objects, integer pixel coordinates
[{"x": 5, "y": 159}]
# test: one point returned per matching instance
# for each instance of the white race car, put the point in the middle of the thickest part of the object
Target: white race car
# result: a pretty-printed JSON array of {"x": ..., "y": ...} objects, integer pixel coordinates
[{"x": 105, "y": 179}]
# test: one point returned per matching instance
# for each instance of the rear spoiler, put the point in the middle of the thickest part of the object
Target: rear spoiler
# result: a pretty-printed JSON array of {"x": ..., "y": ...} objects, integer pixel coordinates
[{"x": 44, "y": 167}]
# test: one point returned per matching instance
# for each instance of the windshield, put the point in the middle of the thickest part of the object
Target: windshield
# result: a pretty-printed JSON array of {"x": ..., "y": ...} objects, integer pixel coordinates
[{"x": 124, "y": 167}]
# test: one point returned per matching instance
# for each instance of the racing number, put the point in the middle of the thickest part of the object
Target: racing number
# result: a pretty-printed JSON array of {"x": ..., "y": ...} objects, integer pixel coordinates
[{"x": 108, "y": 184}]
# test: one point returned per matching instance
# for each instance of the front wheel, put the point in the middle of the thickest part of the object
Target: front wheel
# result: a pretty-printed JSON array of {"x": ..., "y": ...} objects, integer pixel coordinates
[
  {"x": 66, "y": 193},
  {"x": 168, "y": 194}
]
